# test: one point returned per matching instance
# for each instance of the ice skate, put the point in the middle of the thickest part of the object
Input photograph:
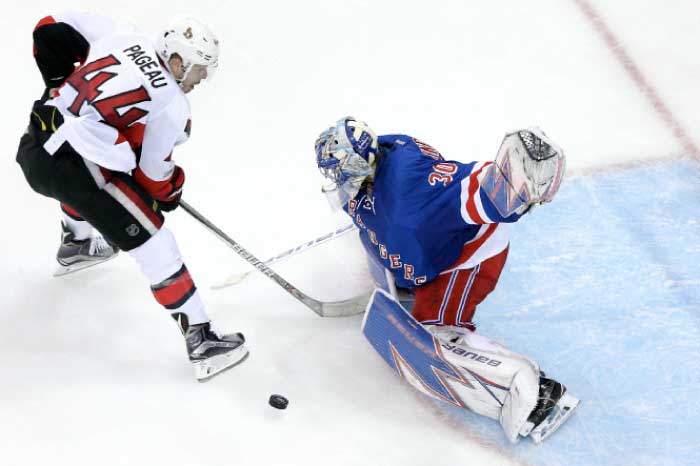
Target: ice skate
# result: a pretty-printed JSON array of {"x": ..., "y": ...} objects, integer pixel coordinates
[
  {"x": 554, "y": 406},
  {"x": 212, "y": 354},
  {"x": 74, "y": 255}
]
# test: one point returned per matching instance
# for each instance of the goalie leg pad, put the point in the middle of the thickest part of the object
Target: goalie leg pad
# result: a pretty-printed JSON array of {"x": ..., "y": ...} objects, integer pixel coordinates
[
  {"x": 482, "y": 380},
  {"x": 520, "y": 402},
  {"x": 409, "y": 348},
  {"x": 517, "y": 374},
  {"x": 529, "y": 393}
]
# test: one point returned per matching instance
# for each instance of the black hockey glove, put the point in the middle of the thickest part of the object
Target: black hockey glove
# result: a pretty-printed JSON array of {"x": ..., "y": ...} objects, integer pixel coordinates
[
  {"x": 45, "y": 118},
  {"x": 171, "y": 198},
  {"x": 57, "y": 47}
]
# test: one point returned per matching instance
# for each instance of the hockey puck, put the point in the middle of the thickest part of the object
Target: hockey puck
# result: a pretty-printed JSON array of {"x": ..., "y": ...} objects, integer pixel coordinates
[{"x": 278, "y": 401}]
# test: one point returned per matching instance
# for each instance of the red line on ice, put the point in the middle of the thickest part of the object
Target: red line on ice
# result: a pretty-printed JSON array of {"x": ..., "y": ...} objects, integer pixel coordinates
[{"x": 639, "y": 78}]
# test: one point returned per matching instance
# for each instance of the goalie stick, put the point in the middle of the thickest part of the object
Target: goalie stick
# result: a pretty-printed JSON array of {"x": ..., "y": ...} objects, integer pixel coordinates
[
  {"x": 343, "y": 308},
  {"x": 237, "y": 278}
]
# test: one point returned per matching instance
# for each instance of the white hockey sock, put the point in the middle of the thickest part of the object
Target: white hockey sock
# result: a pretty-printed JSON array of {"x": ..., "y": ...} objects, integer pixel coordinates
[
  {"x": 161, "y": 262},
  {"x": 80, "y": 228}
]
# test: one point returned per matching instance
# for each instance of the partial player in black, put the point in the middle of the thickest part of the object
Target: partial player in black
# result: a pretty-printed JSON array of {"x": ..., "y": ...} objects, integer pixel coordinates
[{"x": 100, "y": 141}]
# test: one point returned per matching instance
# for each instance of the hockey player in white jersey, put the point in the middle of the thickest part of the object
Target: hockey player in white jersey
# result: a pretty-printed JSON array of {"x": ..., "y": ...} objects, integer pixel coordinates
[
  {"x": 435, "y": 233},
  {"x": 101, "y": 140}
]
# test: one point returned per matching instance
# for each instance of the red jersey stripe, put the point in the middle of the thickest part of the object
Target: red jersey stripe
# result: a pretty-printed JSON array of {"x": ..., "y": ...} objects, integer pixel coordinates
[
  {"x": 473, "y": 188},
  {"x": 470, "y": 248}
]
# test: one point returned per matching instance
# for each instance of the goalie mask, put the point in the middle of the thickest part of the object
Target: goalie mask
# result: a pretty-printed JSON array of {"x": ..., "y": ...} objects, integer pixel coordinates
[{"x": 345, "y": 154}]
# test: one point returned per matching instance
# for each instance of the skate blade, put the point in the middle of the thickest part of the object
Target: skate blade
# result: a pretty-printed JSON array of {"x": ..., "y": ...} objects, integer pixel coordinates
[
  {"x": 68, "y": 269},
  {"x": 561, "y": 412},
  {"x": 206, "y": 370}
]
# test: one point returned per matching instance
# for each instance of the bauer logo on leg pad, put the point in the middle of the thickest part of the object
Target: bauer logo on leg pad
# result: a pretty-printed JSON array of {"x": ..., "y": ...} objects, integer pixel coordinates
[{"x": 410, "y": 349}]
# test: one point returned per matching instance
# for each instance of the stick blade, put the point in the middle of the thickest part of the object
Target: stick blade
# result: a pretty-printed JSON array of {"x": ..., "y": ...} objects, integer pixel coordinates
[
  {"x": 232, "y": 280},
  {"x": 346, "y": 308}
]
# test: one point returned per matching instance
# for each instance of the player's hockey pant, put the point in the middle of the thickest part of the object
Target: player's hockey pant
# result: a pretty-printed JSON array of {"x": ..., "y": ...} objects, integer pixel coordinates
[
  {"x": 110, "y": 201},
  {"x": 120, "y": 209},
  {"x": 451, "y": 298}
]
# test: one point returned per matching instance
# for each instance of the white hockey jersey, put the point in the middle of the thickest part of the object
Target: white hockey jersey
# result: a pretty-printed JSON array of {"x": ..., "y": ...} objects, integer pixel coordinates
[{"x": 122, "y": 109}]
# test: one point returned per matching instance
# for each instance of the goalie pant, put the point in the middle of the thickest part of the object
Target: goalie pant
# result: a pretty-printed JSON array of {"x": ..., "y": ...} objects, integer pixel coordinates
[
  {"x": 119, "y": 208},
  {"x": 452, "y": 297}
]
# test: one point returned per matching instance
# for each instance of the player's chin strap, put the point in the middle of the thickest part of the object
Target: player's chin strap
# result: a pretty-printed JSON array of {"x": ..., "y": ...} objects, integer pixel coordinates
[{"x": 344, "y": 308}]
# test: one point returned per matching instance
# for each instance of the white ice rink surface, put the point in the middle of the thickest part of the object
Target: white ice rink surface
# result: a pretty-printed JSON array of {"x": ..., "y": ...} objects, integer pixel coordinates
[{"x": 94, "y": 370}]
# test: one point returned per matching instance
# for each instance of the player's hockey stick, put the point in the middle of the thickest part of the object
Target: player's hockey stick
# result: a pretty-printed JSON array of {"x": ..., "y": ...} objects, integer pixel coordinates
[
  {"x": 344, "y": 308},
  {"x": 236, "y": 278}
]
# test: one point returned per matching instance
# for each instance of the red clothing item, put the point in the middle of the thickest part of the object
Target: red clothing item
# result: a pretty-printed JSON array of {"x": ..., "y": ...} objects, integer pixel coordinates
[{"x": 451, "y": 298}]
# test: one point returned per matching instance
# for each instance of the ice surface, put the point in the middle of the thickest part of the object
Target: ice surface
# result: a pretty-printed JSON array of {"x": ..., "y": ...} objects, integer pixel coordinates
[
  {"x": 602, "y": 289},
  {"x": 602, "y": 286}
]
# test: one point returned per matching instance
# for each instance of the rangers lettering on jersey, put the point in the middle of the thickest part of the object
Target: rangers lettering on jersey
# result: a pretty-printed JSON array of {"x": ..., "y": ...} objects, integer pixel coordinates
[
  {"x": 145, "y": 63},
  {"x": 394, "y": 259},
  {"x": 428, "y": 150},
  {"x": 417, "y": 218}
]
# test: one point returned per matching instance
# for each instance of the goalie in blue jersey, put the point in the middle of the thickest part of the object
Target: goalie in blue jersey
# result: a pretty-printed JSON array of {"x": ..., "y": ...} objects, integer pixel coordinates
[{"x": 436, "y": 235}]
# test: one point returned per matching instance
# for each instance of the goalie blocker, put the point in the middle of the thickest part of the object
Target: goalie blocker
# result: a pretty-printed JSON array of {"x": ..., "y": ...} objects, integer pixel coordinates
[{"x": 467, "y": 370}]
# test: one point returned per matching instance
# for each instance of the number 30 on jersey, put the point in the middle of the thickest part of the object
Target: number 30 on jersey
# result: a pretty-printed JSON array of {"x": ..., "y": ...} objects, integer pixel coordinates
[{"x": 442, "y": 173}]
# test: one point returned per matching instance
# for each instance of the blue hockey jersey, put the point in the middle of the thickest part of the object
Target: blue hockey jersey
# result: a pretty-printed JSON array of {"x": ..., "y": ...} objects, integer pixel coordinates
[{"x": 421, "y": 211}]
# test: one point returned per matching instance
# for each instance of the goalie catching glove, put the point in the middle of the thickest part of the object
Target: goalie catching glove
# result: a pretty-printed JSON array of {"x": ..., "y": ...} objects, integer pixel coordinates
[{"x": 528, "y": 170}]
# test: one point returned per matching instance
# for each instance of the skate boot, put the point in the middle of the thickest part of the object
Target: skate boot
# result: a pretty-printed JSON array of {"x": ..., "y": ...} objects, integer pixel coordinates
[
  {"x": 554, "y": 406},
  {"x": 74, "y": 255},
  {"x": 210, "y": 353}
]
